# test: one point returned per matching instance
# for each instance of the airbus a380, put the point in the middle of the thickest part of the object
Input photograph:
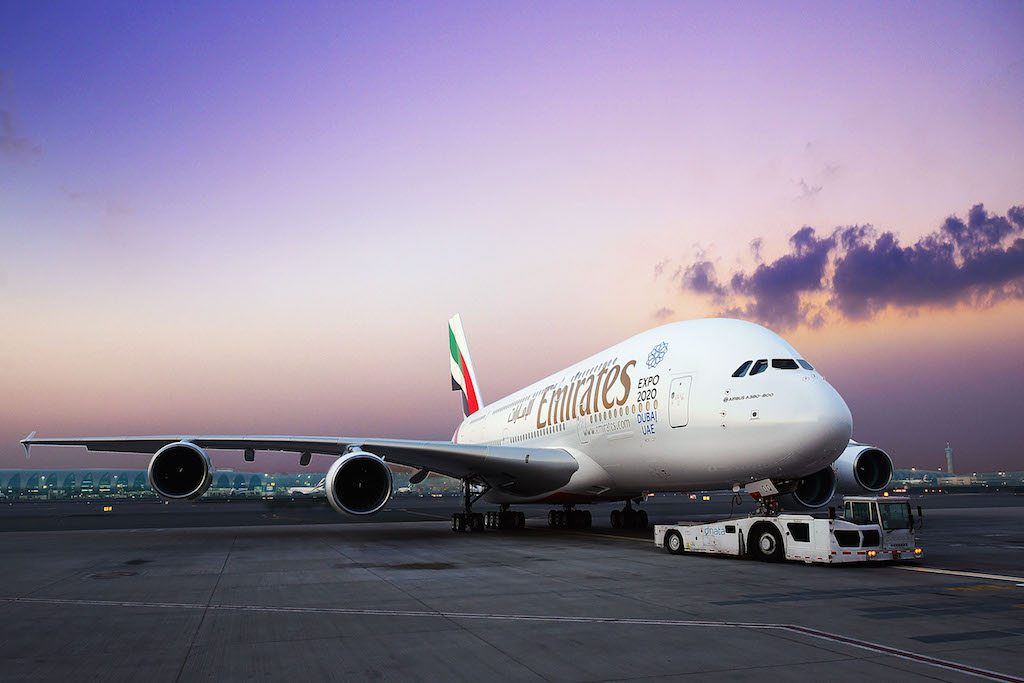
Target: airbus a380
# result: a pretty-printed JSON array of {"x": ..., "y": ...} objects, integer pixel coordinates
[{"x": 688, "y": 406}]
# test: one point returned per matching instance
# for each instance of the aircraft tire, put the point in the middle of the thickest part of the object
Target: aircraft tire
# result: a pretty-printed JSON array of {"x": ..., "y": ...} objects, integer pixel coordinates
[
  {"x": 641, "y": 519},
  {"x": 458, "y": 522},
  {"x": 520, "y": 520},
  {"x": 616, "y": 519}
]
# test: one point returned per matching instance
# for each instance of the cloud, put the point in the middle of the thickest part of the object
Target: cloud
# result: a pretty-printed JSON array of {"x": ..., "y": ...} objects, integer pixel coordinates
[
  {"x": 857, "y": 272},
  {"x": 700, "y": 277},
  {"x": 807, "y": 191},
  {"x": 12, "y": 145},
  {"x": 659, "y": 268},
  {"x": 664, "y": 313}
]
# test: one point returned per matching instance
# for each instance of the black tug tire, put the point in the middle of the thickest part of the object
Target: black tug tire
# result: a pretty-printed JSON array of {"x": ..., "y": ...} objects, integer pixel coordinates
[
  {"x": 588, "y": 520},
  {"x": 674, "y": 543},
  {"x": 766, "y": 543},
  {"x": 616, "y": 519}
]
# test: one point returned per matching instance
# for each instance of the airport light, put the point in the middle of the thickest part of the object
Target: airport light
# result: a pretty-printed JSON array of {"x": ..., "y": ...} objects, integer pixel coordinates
[{"x": 872, "y": 553}]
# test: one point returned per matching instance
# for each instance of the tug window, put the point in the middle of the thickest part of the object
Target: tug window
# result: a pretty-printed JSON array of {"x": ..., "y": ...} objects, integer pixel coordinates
[
  {"x": 759, "y": 367},
  {"x": 804, "y": 364},
  {"x": 742, "y": 370},
  {"x": 784, "y": 364},
  {"x": 800, "y": 531}
]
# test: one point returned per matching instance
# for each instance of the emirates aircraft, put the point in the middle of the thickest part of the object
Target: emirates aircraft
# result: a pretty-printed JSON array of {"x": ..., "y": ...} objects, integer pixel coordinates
[{"x": 697, "y": 405}]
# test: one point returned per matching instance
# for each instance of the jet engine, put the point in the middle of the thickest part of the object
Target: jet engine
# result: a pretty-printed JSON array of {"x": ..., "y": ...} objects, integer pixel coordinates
[
  {"x": 358, "y": 483},
  {"x": 811, "y": 492},
  {"x": 180, "y": 471},
  {"x": 863, "y": 469}
]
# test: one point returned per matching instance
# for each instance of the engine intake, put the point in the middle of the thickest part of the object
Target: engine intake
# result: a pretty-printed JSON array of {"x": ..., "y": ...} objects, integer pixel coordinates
[
  {"x": 358, "y": 483},
  {"x": 863, "y": 469},
  {"x": 812, "y": 492},
  {"x": 180, "y": 471}
]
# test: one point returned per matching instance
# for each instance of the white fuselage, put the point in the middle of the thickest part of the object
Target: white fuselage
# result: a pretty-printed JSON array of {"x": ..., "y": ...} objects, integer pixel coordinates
[{"x": 662, "y": 411}]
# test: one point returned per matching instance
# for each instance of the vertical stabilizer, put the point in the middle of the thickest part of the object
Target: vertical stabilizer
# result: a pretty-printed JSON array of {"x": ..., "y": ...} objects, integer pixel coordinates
[{"x": 463, "y": 375}]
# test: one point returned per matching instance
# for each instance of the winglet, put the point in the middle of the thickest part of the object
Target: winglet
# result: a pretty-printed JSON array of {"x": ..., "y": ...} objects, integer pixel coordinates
[{"x": 26, "y": 443}]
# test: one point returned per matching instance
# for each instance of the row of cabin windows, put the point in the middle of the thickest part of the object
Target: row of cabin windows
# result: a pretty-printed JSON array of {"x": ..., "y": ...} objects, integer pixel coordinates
[
  {"x": 761, "y": 365},
  {"x": 551, "y": 429}
]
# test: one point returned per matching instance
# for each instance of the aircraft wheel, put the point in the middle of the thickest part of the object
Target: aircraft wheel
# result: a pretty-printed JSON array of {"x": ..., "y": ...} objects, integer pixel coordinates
[
  {"x": 520, "y": 520},
  {"x": 552, "y": 519},
  {"x": 476, "y": 521},
  {"x": 641, "y": 519},
  {"x": 458, "y": 522},
  {"x": 588, "y": 520},
  {"x": 767, "y": 543},
  {"x": 616, "y": 519},
  {"x": 674, "y": 543}
]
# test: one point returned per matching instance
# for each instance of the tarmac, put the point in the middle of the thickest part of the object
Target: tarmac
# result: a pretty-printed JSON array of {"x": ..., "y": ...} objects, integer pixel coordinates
[{"x": 155, "y": 592}]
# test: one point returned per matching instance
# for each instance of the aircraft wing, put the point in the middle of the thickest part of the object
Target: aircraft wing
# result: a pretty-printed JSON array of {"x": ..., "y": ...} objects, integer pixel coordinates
[{"x": 518, "y": 470}]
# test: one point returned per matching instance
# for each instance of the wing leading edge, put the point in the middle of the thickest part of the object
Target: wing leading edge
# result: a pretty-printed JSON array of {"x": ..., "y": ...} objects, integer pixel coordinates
[{"x": 518, "y": 471}]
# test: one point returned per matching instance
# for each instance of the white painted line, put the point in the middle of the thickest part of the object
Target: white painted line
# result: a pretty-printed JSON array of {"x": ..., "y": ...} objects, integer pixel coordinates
[
  {"x": 971, "y": 575},
  {"x": 791, "y": 628}
]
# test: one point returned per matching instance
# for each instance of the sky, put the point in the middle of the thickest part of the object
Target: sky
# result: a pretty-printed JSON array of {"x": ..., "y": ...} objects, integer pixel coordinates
[{"x": 228, "y": 217}]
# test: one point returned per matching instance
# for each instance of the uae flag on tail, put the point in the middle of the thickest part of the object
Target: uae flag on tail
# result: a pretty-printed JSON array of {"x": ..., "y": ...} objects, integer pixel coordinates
[{"x": 463, "y": 376}]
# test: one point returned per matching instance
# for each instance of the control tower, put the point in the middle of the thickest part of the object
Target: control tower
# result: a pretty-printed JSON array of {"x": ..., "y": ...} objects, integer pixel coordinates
[{"x": 949, "y": 459}]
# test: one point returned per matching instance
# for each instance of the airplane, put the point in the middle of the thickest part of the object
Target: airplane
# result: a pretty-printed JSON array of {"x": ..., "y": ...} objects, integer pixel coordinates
[{"x": 697, "y": 405}]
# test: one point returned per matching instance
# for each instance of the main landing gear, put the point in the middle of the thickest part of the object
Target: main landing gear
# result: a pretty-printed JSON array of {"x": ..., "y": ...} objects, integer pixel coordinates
[
  {"x": 629, "y": 518},
  {"x": 468, "y": 520},
  {"x": 569, "y": 518}
]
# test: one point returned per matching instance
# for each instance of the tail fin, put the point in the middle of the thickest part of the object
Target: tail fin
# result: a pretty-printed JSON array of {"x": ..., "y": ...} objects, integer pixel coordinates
[{"x": 463, "y": 376}]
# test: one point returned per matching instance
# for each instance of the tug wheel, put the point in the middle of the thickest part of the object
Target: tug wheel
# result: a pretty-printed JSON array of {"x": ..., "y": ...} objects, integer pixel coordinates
[
  {"x": 674, "y": 543},
  {"x": 766, "y": 543}
]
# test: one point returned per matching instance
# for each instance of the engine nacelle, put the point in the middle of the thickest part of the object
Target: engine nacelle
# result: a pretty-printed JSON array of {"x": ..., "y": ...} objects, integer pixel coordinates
[
  {"x": 863, "y": 469},
  {"x": 811, "y": 492},
  {"x": 180, "y": 471},
  {"x": 358, "y": 483}
]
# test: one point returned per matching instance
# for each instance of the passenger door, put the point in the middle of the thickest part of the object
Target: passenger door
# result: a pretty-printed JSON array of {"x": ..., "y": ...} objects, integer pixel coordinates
[{"x": 679, "y": 401}]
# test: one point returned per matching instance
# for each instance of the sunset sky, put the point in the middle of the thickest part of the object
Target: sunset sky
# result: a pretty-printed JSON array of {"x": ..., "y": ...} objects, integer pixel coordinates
[{"x": 226, "y": 218}]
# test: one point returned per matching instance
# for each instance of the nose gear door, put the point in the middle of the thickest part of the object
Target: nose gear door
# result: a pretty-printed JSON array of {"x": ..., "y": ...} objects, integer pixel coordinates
[{"x": 679, "y": 401}]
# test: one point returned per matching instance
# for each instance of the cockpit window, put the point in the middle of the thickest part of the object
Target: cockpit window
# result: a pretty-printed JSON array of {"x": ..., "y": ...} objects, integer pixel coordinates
[
  {"x": 759, "y": 367},
  {"x": 804, "y": 364},
  {"x": 784, "y": 364},
  {"x": 742, "y": 370}
]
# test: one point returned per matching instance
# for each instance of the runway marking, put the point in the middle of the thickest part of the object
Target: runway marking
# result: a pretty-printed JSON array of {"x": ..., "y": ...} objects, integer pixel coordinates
[
  {"x": 790, "y": 628},
  {"x": 423, "y": 514},
  {"x": 955, "y": 572}
]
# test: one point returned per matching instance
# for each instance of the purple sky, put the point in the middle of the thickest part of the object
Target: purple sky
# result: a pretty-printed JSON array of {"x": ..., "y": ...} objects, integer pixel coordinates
[{"x": 225, "y": 217}]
